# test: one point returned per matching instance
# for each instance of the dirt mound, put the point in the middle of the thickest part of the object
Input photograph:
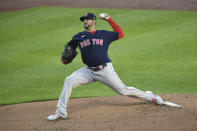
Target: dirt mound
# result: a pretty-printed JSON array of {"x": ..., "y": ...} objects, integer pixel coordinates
[{"x": 117, "y": 113}]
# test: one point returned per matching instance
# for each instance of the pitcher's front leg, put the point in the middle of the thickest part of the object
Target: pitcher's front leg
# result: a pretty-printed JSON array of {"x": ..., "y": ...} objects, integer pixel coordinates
[{"x": 76, "y": 79}]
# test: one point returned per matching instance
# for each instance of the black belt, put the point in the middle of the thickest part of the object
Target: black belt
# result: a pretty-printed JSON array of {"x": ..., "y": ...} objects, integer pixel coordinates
[{"x": 97, "y": 68}]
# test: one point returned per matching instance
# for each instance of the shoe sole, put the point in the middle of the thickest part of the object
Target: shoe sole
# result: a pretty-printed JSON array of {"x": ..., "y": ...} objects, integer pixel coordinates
[{"x": 171, "y": 104}]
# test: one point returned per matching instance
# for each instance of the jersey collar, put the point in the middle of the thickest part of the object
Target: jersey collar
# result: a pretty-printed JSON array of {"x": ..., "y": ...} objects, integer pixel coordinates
[{"x": 93, "y": 32}]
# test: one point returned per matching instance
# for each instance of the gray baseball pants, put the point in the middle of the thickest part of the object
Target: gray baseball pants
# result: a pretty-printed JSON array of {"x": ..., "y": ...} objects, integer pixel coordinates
[{"x": 107, "y": 75}]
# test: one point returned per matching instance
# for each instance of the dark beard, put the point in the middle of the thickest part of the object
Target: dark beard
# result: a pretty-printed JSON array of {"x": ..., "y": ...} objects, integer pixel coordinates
[{"x": 86, "y": 27}]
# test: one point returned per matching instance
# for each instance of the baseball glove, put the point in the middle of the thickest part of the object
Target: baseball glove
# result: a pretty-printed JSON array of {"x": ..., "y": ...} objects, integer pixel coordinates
[{"x": 68, "y": 54}]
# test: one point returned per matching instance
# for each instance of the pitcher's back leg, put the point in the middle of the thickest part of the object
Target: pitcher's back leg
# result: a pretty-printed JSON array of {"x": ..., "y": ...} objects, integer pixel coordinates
[{"x": 109, "y": 77}]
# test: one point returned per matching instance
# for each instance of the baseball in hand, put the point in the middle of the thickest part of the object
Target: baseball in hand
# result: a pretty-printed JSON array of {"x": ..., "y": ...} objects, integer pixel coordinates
[{"x": 102, "y": 15}]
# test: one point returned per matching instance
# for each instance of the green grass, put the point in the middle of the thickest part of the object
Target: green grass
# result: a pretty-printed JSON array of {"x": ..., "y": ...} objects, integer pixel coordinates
[{"x": 158, "y": 52}]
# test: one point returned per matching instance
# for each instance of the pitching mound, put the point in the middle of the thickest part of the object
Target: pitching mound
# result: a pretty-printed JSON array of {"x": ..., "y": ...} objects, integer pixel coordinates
[{"x": 117, "y": 113}]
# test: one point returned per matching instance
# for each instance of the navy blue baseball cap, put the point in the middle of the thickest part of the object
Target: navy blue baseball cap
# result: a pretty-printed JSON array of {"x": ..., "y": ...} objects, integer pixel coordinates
[{"x": 88, "y": 16}]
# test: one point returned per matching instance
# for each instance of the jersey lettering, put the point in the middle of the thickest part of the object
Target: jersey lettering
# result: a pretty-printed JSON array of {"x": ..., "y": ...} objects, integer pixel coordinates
[
  {"x": 94, "y": 47},
  {"x": 94, "y": 42}
]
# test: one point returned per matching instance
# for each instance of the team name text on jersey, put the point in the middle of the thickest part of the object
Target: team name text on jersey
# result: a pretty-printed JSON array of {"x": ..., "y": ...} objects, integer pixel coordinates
[{"x": 94, "y": 42}]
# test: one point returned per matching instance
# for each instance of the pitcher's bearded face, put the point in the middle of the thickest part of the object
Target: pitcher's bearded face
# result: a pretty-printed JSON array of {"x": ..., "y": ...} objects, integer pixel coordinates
[{"x": 87, "y": 23}]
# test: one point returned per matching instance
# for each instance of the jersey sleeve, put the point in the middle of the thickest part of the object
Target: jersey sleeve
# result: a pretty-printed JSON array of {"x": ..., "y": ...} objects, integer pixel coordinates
[
  {"x": 74, "y": 42},
  {"x": 77, "y": 37},
  {"x": 116, "y": 28},
  {"x": 112, "y": 36}
]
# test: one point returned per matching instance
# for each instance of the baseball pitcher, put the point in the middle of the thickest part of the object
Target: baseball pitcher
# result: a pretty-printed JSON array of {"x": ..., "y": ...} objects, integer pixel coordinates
[{"x": 93, "y": 45}]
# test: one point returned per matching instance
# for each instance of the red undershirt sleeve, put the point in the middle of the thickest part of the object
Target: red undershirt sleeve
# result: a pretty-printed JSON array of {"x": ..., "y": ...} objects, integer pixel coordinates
[{"x": 116, "y": 28}]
